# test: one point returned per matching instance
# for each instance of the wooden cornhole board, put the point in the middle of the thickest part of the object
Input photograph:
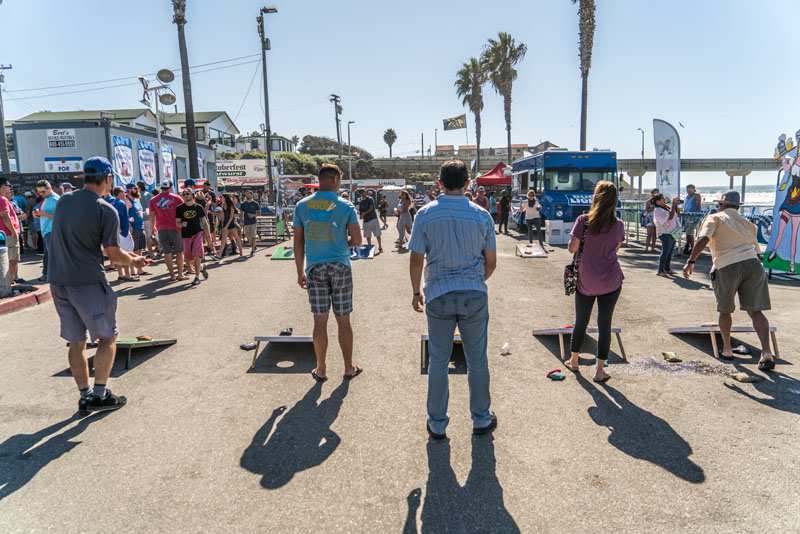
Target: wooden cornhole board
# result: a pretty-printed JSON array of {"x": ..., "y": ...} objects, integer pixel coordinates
[
  {"x": 283, "y": 253},
  {"x": 531, "y": 250},
  {"x": 129, "y": 344},
  {"x": 561, "y": 332},
  {"x": 277, "y": 339},
  {"x": 424, "y": 356},
  {"x": 713, "y": 329}
]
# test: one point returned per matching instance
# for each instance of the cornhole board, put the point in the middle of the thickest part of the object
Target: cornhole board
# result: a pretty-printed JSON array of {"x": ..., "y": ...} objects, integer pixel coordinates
[
  {"x": 424, "y": 356},
  {"x": 561, "y": 332},
  {"x": 277, "y": 339},
  {"x": 713, "y": 329},
  {"x": 365, "y": 252},
  {"x": 530, "y": 250},
  {"x": 129, "y": 344},
  {"x": 283, "y": 253}
]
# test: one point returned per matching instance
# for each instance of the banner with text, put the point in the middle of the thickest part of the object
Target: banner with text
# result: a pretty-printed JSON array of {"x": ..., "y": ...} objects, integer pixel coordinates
[
  {"x": 668, "y": 158},
  {"x": 123, "y": 160},
  {"x": 167, "y": 157},
  {"x": 147, "y": 163}
]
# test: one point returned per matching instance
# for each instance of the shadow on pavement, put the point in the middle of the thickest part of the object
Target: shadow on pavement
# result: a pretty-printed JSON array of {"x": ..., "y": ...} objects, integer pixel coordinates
[
  {"x": 476, "y": 507},
  {"x": 302, "y": 438},
  {"x": 589, "y": 347},
  {"x": 641, "y": 434},
  {"x": 138, "y": 357},
  {"x": 21, "y": 458},
  {"x": 782, "y": 392},
  {"x": 285, "y": 358}
]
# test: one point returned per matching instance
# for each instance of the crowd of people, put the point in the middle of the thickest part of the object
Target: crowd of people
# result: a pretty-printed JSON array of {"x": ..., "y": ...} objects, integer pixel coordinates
[
  {"x": 452, "y": 245},
  {"x": 184, "y": 229}
]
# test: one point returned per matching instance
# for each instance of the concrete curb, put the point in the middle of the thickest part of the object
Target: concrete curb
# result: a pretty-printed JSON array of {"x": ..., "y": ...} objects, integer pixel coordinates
[{"x": 26, "y": 300}]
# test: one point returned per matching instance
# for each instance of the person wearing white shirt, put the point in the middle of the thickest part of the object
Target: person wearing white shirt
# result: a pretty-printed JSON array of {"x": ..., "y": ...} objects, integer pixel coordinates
[
  {"x": 533, "y": 217},
  {"x": 667, "y": 225}
]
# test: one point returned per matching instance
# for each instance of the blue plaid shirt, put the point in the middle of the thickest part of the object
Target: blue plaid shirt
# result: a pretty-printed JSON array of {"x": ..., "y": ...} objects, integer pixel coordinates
[{"x": 452, "y": 233}]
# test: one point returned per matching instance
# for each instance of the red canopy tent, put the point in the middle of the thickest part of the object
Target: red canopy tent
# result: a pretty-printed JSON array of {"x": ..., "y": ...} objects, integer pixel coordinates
[{"x": 495, "y": 177}]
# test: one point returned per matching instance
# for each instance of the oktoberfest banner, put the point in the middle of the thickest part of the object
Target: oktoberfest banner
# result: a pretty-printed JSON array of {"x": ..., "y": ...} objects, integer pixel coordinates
[
  {"x": 167, "y": 158},
  {"x": 782, "y": 252},
  {"x": 147, "y": 163},
  {"x": 668, "y": 158},
  {"x": 123, "y": 160},
  {"x": 456, "y": 123}
]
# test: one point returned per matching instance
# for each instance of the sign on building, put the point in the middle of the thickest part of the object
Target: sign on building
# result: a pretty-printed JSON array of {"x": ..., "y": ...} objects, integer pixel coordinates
[
  {"x": 61, "y": 138},
  {"x": 63, "y": 164}
]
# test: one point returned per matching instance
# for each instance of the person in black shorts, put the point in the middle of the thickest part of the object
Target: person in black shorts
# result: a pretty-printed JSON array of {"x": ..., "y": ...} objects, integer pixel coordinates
[{"x": 85, "y": 227}]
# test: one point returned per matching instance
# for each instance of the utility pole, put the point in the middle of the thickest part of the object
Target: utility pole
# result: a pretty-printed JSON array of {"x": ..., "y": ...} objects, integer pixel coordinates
[
  {"x": 179, "y": 18},
  {"x": 265, "y": 45},
  {"x": 422, "y": 145},
  {"x": 337, "y": 111},
  {"x": 435, "y": 140},
  {"x": 350, "y": 158},
  {"x": 3, "y": 148}
]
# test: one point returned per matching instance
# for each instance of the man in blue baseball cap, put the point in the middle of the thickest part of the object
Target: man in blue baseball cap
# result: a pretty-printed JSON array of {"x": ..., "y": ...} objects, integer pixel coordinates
[
  {"x": 736, "y": 269},
  {"x": 85, "y": 227}
]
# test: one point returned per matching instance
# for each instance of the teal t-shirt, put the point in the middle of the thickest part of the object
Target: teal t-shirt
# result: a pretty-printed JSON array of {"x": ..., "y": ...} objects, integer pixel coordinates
[
  {"x": 324, "y": 217},
  {"x": 48, "y": 206}
]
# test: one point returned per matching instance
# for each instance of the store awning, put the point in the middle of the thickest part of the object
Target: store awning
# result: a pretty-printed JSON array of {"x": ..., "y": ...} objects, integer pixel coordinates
[{"x": 495, "y": 177}]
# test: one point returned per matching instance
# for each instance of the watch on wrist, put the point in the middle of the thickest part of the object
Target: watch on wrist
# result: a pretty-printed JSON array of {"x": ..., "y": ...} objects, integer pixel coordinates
[{"x": 691, "y": 262}]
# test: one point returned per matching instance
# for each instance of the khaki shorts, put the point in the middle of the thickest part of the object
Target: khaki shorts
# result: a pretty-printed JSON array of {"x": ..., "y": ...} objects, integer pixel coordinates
[
  {"x": 748, "y": 279},
  {"x": 250, "y": 233},
  {"x": 170, "y": 241},
  {"x": 12, "y": 242},
  {"x": 372, "y": 228}
]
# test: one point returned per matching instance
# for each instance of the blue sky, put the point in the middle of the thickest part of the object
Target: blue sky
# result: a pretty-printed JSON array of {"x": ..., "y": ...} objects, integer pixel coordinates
[{"x": 715, "y": 66}]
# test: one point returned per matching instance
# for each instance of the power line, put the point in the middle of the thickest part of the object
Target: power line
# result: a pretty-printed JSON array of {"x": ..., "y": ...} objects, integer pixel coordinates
[
  {"x": 128, "y": 84},
  {"x": 249, "y": 86},
  {"x": 80, "y": 84}
]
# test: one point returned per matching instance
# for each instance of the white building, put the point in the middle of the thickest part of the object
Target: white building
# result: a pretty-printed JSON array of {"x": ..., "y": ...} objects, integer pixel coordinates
[
  {"x": 209, "y": 126},
  {"x": 249, "y": 143}
]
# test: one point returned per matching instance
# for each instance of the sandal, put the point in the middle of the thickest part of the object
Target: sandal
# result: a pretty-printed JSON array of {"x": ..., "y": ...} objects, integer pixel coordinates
[
  {"x": 356, "y": 371},
  {"x": 726, "y": 357},
  {"x": 766, "y": 365},
  {"x": 317, "y": 377},
  {"x": 602, "y": 380},
  {"x": 576, "y": 369}
]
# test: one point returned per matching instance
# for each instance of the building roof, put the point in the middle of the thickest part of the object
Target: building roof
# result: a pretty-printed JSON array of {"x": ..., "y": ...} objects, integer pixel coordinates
[
  {"x": 520, "y": 145},
  {"x": 467, "y": 147},
  {"x": 8, "y": 124},
  {"x": 442, "y": 148},
  {"x": 200, "y": 117},
  {"x": 63, "y": 116}
]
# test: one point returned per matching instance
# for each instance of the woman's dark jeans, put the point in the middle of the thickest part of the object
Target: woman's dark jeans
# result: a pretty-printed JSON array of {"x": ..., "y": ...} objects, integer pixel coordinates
[
  {"x": 667, "y": 248},
  {"x": 605, "y": 312},
  {"x": 534, "y": 225},
  {"x": 503, "y": 221}
]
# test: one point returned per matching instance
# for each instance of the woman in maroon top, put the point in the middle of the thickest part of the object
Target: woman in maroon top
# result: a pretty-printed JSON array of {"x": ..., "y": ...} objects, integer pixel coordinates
[{"x": 599, "y": 274}]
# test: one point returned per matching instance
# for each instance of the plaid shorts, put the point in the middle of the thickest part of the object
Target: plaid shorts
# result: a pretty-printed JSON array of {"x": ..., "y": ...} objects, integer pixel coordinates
[{"x": 330, "y": 284}]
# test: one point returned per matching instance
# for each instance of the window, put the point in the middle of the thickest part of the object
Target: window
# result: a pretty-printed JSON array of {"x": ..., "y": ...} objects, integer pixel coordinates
[
  {"x": 221, "y": 138},
  {"x": 253, "y": 143},
  {"x": 10, "y": 142},
  {"x": 574, "y": 180},
  {"x": 199, "y": 132}
]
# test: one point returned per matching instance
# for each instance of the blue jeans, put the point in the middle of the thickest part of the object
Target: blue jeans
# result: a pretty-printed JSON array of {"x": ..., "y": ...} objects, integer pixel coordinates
[
  {"x": 667, "y": 247},
  {"x": 469, "y": 310},
  {"x": 46, "y": 258}
]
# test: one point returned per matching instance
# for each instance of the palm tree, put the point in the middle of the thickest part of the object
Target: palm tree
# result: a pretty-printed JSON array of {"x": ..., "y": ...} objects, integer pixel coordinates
[
  {"x": 469, "y": 87},
  {"x": 389, "y": 137},
  {"x": 500, "y": 56},
  {"x": 179, "y": 18},
  {"x": 586, "y": 25}
]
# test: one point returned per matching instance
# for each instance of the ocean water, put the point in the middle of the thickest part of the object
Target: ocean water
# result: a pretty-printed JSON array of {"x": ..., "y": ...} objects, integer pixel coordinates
[{"x": 755, "y": 195}]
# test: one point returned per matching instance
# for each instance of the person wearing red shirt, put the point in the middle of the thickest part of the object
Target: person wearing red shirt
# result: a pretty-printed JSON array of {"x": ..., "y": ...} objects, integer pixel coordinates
[
  {"x": 163, "y": 207},
  {"x": 9, "y": 225}
]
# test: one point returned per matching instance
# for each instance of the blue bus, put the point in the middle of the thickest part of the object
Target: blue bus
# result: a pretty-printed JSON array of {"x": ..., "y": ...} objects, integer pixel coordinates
[{"x": 564, "y": 180}]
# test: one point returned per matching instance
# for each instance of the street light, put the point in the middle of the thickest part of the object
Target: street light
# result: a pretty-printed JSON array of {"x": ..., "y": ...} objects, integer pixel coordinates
[
  {"x": 350, "y": 158},
  {"x": 164, "y": 95},
  {"x": 265, "y": 45}
]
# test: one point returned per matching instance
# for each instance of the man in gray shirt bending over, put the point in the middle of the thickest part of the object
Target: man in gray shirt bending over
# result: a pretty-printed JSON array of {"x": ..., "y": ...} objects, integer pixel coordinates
[{"x": 83, "y": 223}]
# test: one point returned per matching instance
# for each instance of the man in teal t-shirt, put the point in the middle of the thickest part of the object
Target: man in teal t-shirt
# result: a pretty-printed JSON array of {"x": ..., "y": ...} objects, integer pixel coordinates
[
  {"x": 325, "y": 229},
  {"x": 45, "y": 214}
]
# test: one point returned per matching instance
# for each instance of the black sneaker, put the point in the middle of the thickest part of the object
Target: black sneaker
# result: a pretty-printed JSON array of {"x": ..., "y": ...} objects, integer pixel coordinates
[
  {"x": 83, "y": 407},
  {"x": 486, "y": 429},
  {"x": 109, "y": 403},
  {"x": 204, "y": 272},
  {"x": 433, "y": 434},
  {"x": 196, "y": 281}
]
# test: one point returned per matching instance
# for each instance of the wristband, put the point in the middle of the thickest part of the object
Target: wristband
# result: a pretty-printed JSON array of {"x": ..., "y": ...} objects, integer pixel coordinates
[{"x": 691, "y": 262}]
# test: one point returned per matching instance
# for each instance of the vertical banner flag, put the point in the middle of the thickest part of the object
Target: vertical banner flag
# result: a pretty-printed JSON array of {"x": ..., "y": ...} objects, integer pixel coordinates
[
  {"x": 167, "y": 158},
  {"x": 668, "y": 158},
  {"x": 455, "y": 123},
  {"x": 123, "y": 160},
  {"x": 782, "y": 252},
  {"x": 200, "y": 168},
  {"x": 147, "y": 163}
]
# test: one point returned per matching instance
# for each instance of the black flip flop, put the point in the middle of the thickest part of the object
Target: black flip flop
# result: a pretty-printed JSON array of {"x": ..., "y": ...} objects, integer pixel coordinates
[
  {"x": 356, "y": 371},
  {"x": 766, "y": 365},
  {"x": 317, "y": 377},
  {"x": 725, "y": 358},
  {"x": 603, "y": 380},
  {"x": 286, "y": 332},
  {"x": 247, "y": 346}
]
